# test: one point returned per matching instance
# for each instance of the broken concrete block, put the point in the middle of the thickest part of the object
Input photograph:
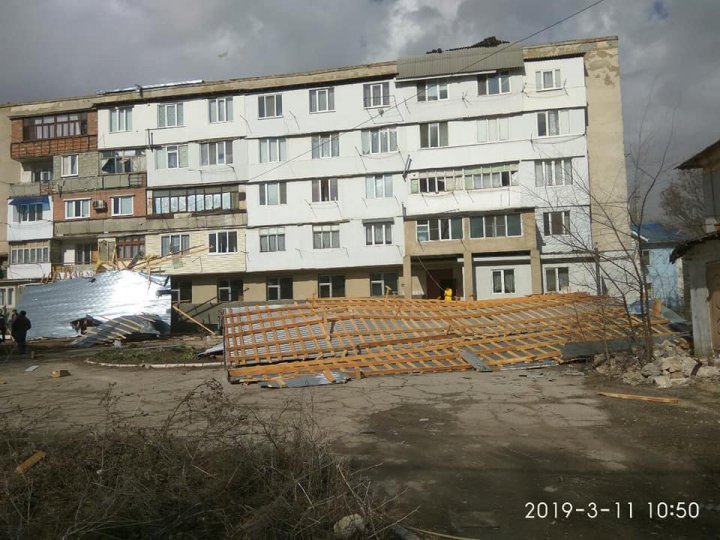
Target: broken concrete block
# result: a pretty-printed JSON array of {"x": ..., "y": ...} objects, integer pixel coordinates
[
  {"x": 661, "y": 381},
  {"x": 688, "y": 364},
  {"x": 671, "y": 364},
  {"x": 651, "y": 370},
  {"x": 708, "y": 371},
  {"x": 676, "y": 375}
]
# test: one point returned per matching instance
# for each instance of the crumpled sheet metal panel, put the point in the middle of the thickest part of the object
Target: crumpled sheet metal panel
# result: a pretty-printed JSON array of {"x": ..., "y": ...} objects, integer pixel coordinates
[
  {"x": 122, "y": 327},
  {"x": 52, "y": 307}
]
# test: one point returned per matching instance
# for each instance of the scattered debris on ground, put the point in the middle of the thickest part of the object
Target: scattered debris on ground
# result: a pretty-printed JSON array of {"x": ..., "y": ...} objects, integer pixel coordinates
[
  {"x": 57, "y": 373},
  {"x": 300, "y": 344},
  {"x": 635, "y": 397}
]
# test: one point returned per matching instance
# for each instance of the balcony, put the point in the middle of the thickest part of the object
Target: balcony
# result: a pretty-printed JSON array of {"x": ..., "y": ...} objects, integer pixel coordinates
[
  {"x": 53, "y": 147},
  {"x": 93, "y": 227}
]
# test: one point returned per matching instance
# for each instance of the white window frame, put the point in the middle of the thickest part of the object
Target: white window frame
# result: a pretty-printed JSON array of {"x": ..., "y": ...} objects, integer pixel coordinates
[
  {"x": 379, "y": 141},
  {"x": 163, "y": 156},
  {"x": 271, "y": 149},
  {"x": 7, "y": 296},
  {"x": 494, "y": 176},
  {"x": 272, "y": 239},
  {"x": 225, "y": 288},
  {"x": 504, "y": 285},
  {"x": 381, "y": 279},
  {"x": 29, "y": 255},
  {"x": 117, "y": 205},
  {"x": 549, "y": 221},
  {"x": 378, "y": 233},
  {"x": 437, "y": 130},
  {"x": 182, "y": 238},
  {"x": 69, "y": 165},
  {"x": 84, "y": 206},
  {"x": 84, "y": 253},
  {"x": 554, "y": 172},
  {"x": 168, "y": 120},
  {"x": 27, "y": 211},
  {"x": 322, "y": 100},
  {"x": 216, "y": 153},
  {"x": 557, "y": 118},
  {"x": 548, "y": 79},
  {"x": 267, "y": 102},
  {"x": 270, "y": 191},
  {"x": 445, "y": 227},
  {"x": 329, "y": 283},
  {"x": 324, "y": 190},
  {"x": 216, "y": 242},
  {"x": 490, "y": 223},
  {"x": 503, "y": 83},
  {"x": 432, "y": 90},
  {"x": 220, "y": 110},
  {"x": 278, "y": 284},
  {"x": 325, "y": 145},
  {"x": 493, "y": 129},
  {"x": 379, "y": 186},
  {"x": 326, "y": 236},
  {"x": 557, "y": 272},
  {"x": 120, "y": 119},
  {"x": 376, "y": 95}
]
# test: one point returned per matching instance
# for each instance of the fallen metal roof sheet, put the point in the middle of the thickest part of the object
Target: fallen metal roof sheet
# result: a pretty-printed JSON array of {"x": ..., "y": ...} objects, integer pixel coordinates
[
  {"x": 52, "y": 307},
  {"x": 363, "y": 337},
  {"x": 462, "y": 61},
  {"x": 121, "y": 328}
]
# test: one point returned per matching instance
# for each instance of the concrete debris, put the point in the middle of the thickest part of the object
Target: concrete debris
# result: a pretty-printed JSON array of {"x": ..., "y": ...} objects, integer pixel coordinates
[
  {"x": 352, "y": 526},
  {"x": 32, "y": 368},
  {"x": 57, "y": 373}
]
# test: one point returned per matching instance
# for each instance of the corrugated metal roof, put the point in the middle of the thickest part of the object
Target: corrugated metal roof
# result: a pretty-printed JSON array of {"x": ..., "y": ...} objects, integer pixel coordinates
[{"x": 462, "y": 61}]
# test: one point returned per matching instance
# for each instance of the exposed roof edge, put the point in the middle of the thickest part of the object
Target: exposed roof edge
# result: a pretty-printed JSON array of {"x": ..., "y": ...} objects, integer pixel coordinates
[
  {"x": 695, "y": 162},
  {"x": 683, "y": 248}
]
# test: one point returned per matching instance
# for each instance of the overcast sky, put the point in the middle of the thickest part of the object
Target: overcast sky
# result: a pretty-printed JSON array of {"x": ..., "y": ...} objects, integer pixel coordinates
[{"x": 53, "y": 48}]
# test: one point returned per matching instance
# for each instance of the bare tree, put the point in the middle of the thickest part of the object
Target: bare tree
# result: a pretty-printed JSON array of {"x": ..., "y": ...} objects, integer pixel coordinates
[{"x": 683, "y": 203}]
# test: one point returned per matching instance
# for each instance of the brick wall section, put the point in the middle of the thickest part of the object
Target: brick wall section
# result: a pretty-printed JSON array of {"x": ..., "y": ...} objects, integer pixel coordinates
[
  {"x": 20, "y": 149},
  {"x": 16, "y": 131},
  {"x": 100, "y": 195},
  {"x": 92, "y": 123}
]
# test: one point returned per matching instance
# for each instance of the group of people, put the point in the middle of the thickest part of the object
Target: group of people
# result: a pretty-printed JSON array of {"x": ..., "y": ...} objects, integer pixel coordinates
[{"x": 19, "y": 324}]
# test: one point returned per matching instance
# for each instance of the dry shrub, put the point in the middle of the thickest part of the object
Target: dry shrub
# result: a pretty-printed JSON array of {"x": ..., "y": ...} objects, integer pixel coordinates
[{"x": 210, "y": 470}]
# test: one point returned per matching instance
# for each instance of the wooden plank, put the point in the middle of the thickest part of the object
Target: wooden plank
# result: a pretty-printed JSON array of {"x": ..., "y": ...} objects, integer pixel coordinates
[
  {"x": 30, "y": 462},
  {"x": 652, "y": 399}
]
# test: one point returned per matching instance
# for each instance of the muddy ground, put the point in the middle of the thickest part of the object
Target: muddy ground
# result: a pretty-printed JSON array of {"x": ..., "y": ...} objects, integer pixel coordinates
[{"x": 463, "y": 453}]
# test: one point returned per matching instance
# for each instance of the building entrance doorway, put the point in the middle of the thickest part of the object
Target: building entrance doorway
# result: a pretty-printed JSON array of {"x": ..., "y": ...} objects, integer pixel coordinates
[{"x": 438, "y": 281}]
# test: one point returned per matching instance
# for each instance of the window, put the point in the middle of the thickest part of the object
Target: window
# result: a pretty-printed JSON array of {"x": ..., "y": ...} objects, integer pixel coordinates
[
  {"x": 503, "y": 281},
  {"x": 129, "y": 247},
  {"x": 51, "y": 127},
  {"x": 223, "y": 242},
  {"x": 550, "y": 123},
  {"x": 6, "y": 296},
  {"x": 645, "y": 259},
  {"x": 326, "y": 236},
  {"x": 272, "y": 150},
  {"x": 548, "y": 80},
  {"x": 495, "y": 226},
  {"x": 439, "y": 229},
  {"x": 220, "y": 110},
  {"x": 493, "y": 129},
  {"x": 216, "y": 153},
  {"x": 272, "y": 239},
  {"x": 556, "y": 223},
  {"x": 229, "y": 290},
  {"x": 122, "y": 205},
  {"x": 322, "y": 100},
  {"x": 77, "y": 209},
  {"x": 270, "y": 106},
  {"x": 557, "y": 279},
  {"x": 325, "y": 146},
  {"x": 174, "y": 156},
  {"x": 120, "y": 119},
  {"x": 29, "y": 212},
  {"x": 555, "y": 172},
  {"x": 83, "y": 253},
  {"x": 432, "y": 90},
  {"x": 122, "y": 161},
  {"x": 378, "y": 141},
  {"x": 325, "y": 190},
  {"x": 376, "y": 95},
  {"x": 494, "y": 83},
  {"x": 69, "y": 165},
  {"x": 30, "y": 253},
  {"x": 437, "y": 181},
  {"x": 433, "y": 135},
  {"x": 279, "y": 288},
  {"x": 174, "y": 243},
  {"x": 383, "y": 283},
  {"x": 331, "y": 286},
  {"x": 42, "y": 175},
  {"x": 170, "y": 115},
  {"x": 181, "y": 290},
  {"x": 195, "y": 199},
  {"x": 379, "y": 186},
  {"x": 378, "y": 234},
  {"x": 273, "y": 193},
  {"x": 492, "y": 176}
]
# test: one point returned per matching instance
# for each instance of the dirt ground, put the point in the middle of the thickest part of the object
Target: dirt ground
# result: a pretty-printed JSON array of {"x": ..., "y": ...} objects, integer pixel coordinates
[{"x": 463, "y": 453}]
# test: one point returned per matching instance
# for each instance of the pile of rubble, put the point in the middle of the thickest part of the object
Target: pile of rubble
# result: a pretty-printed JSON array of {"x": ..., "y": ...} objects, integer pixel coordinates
[{"x": 673, "y": 366}]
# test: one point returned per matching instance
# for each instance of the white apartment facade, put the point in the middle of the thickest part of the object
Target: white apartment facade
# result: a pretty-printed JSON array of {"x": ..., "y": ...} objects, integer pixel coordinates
[{"x": 475, "y": 170}]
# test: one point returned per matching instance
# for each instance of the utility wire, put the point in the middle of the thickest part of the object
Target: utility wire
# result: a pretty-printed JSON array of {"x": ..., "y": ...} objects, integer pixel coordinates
[{"x": 460, "y": 71}]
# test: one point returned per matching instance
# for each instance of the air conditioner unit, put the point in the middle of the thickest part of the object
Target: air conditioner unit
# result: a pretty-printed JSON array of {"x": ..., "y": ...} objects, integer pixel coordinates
[{"x": 99, "y": 205}]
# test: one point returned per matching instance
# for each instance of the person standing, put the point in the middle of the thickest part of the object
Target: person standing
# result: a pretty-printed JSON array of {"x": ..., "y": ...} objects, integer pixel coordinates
[
  {"x": 3, "y": 325},
  {"x": 19, "y": 330}
]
